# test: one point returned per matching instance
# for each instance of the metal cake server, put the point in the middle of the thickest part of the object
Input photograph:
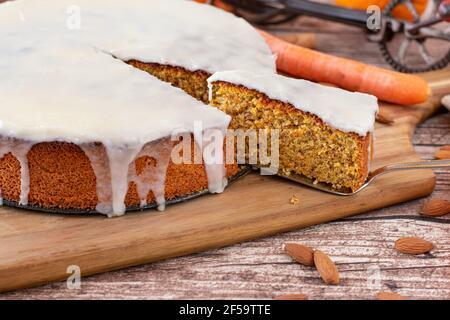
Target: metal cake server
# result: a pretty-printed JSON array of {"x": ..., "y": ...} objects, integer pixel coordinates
[{"x": 430, "y": 164}]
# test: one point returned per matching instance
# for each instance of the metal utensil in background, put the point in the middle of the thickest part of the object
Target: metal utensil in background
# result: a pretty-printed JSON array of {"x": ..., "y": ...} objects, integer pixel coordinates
[
  {"x": 428, "y": 34},
  {"x": 430, "y": 164},
  {"x": 404, "y": 43}
]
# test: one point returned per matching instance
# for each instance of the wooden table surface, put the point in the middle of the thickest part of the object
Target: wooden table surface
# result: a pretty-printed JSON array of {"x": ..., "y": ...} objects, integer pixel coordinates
[{"x": 361, "y": 246}]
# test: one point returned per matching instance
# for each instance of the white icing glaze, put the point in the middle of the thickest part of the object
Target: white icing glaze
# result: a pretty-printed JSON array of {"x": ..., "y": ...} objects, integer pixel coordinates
[
  {"x": 121, "y": 162},
  {"x": 19, "y": 149},
  {"x": 20, "y": 152},
  {"x": 211, "y": 144},
  {"x": 63, "y": 78},
  {"x": 98, "y": 107},
  {"x": 152, "y": 178},
  {"x": 100, "y": 165},
  {"x": 59, "y": 83},
  {"x": 341, "y": 109},
  {"x": 120, "y": 159}
]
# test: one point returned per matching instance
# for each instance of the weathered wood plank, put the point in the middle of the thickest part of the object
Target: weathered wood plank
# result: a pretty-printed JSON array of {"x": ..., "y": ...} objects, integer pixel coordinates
[
  {"x": 259, "y": 269},
  {"x": 311, "y": 24},
  {"x": 434, "y": 132}
]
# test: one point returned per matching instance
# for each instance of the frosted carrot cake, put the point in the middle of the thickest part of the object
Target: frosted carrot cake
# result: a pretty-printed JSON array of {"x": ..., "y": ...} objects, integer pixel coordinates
[{"x": 92, "y": 92}]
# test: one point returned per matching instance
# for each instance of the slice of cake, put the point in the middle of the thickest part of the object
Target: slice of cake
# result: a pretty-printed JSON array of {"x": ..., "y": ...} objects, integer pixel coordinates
[{"x": 325, "y": 133}]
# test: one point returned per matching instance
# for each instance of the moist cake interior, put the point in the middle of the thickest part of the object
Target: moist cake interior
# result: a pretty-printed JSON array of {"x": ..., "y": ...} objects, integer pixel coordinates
[{"x": 308, "y": 146}]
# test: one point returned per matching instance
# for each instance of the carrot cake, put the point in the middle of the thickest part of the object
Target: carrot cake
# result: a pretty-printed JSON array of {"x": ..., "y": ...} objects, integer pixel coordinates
[
  {"x": 325, "y": 133},
  {"x": 86, "y": 123}
]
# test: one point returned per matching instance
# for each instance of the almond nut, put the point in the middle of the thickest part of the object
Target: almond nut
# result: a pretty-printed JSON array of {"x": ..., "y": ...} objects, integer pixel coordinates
[
  {"x": 436, "y": 208},
  {"x": 300, "y": 253},
  {"x": 390, "y": 296},
  {"x": 297, "y": 296},
  {"x": 326, "y": 267},
  {"x": 413, "y": 245},
  {"x": 442, "y": 154}
]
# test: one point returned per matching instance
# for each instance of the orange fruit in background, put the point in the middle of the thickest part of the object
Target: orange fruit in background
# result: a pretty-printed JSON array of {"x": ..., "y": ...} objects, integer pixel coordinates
[{"x": 400, "y": 12}]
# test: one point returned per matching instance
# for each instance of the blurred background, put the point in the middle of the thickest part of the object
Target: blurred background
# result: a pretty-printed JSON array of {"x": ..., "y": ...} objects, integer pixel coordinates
[{"x": 408, "y": 35}]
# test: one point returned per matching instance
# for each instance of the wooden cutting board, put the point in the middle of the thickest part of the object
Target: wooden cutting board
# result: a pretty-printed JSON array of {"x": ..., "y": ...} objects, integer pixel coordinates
[{"x": 37, "y": 248}]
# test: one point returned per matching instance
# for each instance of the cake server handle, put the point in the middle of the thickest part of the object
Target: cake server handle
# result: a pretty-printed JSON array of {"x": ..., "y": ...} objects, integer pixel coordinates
[{"x": 427, "y": 164}]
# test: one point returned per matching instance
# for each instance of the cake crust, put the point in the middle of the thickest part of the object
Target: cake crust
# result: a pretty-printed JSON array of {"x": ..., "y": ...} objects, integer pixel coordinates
[{"x": 62, "y": 177}]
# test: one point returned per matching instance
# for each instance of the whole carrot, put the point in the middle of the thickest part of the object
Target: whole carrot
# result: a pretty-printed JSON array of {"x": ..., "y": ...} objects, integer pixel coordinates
[{"x": 348, "y": 74}]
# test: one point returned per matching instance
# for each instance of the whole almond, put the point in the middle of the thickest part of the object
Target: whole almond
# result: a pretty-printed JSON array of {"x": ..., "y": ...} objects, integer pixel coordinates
[
  {"x": 390, "y": 296},
  {"x": 436, "y": 208},
  {"x": 296, "y": 296},
  {"x": 300, "y": 253},
  {"x": 326, "y": 267},
  {"x": 442, "y": 154},
  {"x": 413, "y": 245}
]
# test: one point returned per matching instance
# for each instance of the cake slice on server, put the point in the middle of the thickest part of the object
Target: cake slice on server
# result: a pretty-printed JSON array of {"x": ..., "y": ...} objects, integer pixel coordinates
[{"x": 324, "y": 133}]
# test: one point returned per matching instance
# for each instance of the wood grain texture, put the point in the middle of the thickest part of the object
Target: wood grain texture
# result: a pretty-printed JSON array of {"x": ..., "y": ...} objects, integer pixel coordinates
[
  {"x": 361, "y": 245},
  {"x": 37, "y": 248},
  {"x": 259, "y": 269}
]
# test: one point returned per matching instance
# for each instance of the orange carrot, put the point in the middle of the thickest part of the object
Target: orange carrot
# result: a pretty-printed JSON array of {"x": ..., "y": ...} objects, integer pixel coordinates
[
  {"x": 219, "y": 4},
  {"x": 348, "y": 74}
]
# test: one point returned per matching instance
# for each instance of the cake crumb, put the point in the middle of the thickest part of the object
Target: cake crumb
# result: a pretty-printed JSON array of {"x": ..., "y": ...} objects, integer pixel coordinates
[{"x": 294, "y": 200}]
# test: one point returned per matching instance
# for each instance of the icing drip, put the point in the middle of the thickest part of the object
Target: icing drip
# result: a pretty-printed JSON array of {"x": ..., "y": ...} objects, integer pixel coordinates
[
  {"x": 100, "y": 165},
  {"x": 120, "y": 159},
  {"x": 115, "y": 168},
  {"x": 210, "y": 142},
  {"x": 152, "y": 178},
  {"x": 19, "y": 149}
]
